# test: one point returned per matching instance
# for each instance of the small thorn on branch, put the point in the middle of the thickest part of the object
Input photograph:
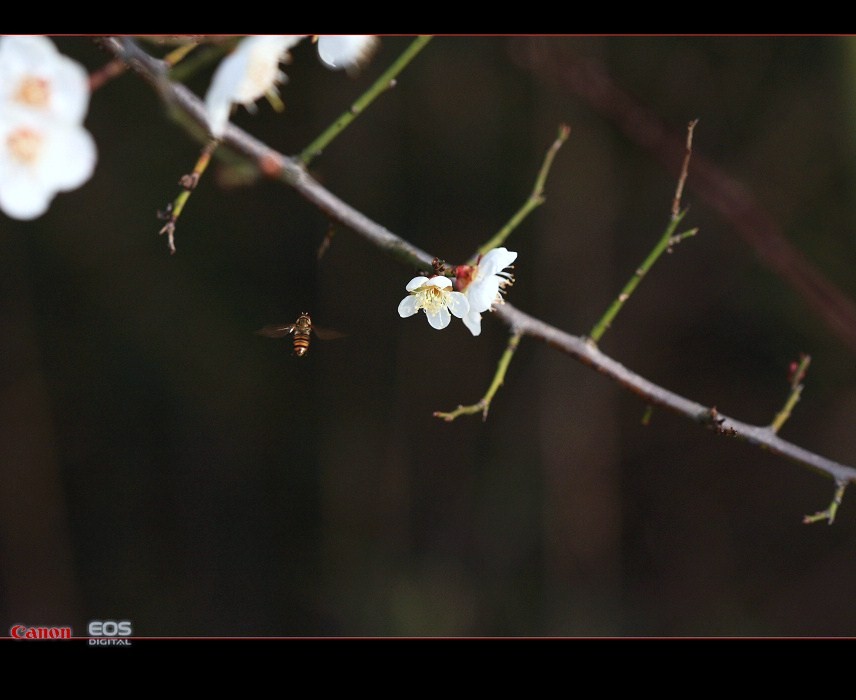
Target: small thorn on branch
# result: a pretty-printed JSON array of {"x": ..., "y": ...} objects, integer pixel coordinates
[
  {"x": 167, "y": 215},
  {"x": 189, "y": 181},
  {"x": 169, "y": 230},
  {"x": 716, "y": 421}
]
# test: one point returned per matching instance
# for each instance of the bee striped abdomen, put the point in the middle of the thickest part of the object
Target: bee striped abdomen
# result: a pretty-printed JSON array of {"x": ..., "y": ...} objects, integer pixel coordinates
[
  {"x": 301, "y": 343},
  {"x": 302, "y": 330}
]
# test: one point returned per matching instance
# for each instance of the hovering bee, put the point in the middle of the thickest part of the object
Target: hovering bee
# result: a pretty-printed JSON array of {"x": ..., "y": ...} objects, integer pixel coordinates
[{"x": 301, "y": 328}]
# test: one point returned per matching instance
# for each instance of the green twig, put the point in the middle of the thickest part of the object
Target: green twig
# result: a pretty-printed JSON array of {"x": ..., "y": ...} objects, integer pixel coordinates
[
  {"x": 794, "y": 395},
  {"x": 483, "y": 405},
  {"x": 188, "y": 184},
  {"x": 665, "y": 243},
  {"x": 829, "y": 513},
  {"x": 535, "y": 200},
  {"x": 669, "y": 239},
  {"x": 382, "y": 84}
]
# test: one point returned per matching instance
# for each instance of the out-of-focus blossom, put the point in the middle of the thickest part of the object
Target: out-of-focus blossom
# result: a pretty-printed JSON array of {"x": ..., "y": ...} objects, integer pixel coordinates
[
  {"x": 346, "y": 52},
  {"x": 250, "y": 72},
  {"x": 44, "y": 148},
  {"x": 35, "y": 76},
  {"x": 40, "y": 157}
]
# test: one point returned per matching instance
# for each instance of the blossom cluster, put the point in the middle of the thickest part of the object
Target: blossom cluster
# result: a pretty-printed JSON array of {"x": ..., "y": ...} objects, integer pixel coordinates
[
  {"x": 479, "y": 288},
  {"x": 44, "y": 148},
  {"x": 252, "y": 70}
]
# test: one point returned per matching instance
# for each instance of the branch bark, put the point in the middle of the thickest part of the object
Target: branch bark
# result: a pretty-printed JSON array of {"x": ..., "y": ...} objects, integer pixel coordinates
[{"x": 276, "y": 165}]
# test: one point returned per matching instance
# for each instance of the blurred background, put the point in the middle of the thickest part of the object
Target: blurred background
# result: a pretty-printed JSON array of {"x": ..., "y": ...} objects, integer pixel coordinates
[{"x": 161, "y": 463}]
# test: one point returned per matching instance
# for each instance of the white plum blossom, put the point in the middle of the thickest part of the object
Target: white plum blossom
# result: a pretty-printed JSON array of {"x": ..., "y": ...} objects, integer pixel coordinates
[
  {"x": 482, "y": 284},
  {"x": 38, "y": 77},
  {"x": 252, "y": 70},
  {"x": 346, "y": 52},
  {"x": 247, "y": 74},
  {"x": 44, "y": 148},
  {"x": 38, "y": 158},
  {"x": 436, "y": 298}
]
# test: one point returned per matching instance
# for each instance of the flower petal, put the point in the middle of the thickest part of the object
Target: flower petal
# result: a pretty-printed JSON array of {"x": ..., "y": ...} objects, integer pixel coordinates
[
  {"x": 495, "y": 261},
  {"x": 483, "y": 293},
  {"x": 408, "y": 306},
  {"x": 439, "y": 320},
  {"x": 473, "y": 321},
  {"x": 415, "y": 283},
  {"x": 440, "y": 281},
  {"x": 221, "y": 93},
  {"x": 69, "y": 158},
  {"x": 458, "y": 304},
  {"x": 22, "y": 201},
  {"x": 245, "y": 75},
  {"x": 346, "y": 52}
]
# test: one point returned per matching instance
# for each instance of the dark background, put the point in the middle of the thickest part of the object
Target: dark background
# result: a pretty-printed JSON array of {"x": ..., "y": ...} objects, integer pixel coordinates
[{"x": 161, "y": 463}]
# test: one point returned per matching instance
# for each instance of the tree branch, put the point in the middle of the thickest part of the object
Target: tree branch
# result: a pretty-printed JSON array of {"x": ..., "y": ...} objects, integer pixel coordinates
[
  {"x": 587, "y": 353},
  {"x": 279, "y": 166}
]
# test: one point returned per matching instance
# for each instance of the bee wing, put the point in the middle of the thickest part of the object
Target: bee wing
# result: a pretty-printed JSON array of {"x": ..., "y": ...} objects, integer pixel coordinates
[
  {"x": 276, "y": 331},
  {"x": 327, "y": 333}
]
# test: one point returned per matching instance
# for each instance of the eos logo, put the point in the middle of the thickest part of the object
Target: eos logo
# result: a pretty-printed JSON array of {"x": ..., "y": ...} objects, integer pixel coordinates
[{"x": 109, "y": 632}]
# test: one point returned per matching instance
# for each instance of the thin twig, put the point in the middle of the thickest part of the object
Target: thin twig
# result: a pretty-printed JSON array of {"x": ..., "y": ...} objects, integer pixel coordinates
[
  {"x": 685, "y": 168},
  {"x": 664, "y": 244},
  {"x": 188, "y": 183},
  {"x": 498, "y": 378},
  {"x": 667, "y": 240},
  {"x": 794, "y": 395},
  {"x": 382, "y": 84},
  {"x": 107, "y": 72},
  {"x": 536, "y": 199},
  {"x": 829, "y": 513}
]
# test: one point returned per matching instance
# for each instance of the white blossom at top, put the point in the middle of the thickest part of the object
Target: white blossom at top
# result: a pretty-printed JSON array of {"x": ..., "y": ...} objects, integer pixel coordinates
[
  {"x": 436, "y": 298},
  {"x": 483, "y": 285},
  {"x": 346, "y": 52},
  {"x": 252, "y": 70},
  {"x": 35, "y": 76},
  {"x": 44, "y": 148},
  {"x": 39, "y": 157},
  {"x": 247, "y": 74}
]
